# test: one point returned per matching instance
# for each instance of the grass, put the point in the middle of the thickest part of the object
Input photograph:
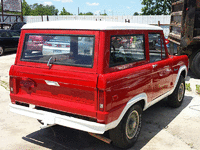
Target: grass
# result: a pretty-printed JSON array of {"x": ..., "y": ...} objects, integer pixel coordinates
[
  {"x": 4, "y": 84},
  {"x": 187, "y": 86},
  {"x": 191, "y": 145},
  {"x": 198, "y": 89}
]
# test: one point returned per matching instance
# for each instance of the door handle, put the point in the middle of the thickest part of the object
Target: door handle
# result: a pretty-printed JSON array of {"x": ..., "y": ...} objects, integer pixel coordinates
[{"x": 154, "y": 66}]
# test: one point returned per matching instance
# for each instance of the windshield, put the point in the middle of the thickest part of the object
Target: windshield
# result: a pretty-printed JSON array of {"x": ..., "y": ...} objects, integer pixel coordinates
[{"x": 64, "y": 49}]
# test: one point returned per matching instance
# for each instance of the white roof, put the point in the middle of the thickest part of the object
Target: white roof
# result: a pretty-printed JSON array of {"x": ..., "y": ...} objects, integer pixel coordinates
[{"x": 89, "y": 25}]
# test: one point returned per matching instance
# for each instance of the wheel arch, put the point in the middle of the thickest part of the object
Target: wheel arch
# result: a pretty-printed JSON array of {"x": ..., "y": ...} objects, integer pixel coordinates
[
  {"x": 182, "y": 71},
  {"x": 140, "y": 99}
]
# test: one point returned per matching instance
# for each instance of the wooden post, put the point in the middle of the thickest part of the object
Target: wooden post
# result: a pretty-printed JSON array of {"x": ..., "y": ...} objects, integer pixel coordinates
[
  {"x": 22, "y": 18},
  {"x": 158, "y": 23},
  {"x": 2, "y": 10}
]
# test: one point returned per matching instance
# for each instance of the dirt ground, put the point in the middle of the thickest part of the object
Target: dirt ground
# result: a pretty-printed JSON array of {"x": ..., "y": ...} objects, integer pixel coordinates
[{"x": 162, "y": 127}]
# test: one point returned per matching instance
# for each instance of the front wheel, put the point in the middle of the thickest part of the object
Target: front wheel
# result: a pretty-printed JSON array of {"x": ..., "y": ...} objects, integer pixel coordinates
[
  {"x": 176, "y": 98},
  {"x": 127, "y": 132}
]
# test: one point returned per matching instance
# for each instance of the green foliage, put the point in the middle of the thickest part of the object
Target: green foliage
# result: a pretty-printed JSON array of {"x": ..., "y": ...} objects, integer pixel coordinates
[
  {"x": 4, "y": 84},
  {"x": 156, "y": 7},
  {"x": 88, "y": 13},
  {"x": 38, "y": 9},
  {"x": 187, "y": 86},
  {"x": 26, "y": 9},
  {"x": 198, "y": 89},
  {"x": 136, "y": 14},
  {"x": 64, "y": 12},
  {"x": 52, "y": 9},
  {"x": 105, "y": 14}
]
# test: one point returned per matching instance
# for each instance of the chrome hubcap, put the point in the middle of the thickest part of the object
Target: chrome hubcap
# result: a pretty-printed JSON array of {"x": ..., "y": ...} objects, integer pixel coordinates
[
  {"x": 132, "y": 124},
  {"x": 181, "y": 92}
]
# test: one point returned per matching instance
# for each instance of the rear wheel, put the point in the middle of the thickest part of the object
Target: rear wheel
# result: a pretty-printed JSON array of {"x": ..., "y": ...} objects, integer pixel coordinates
[
  {"x": 176, "y": 98},
  {"x": 127, "y": 132},
  {"x": 1, "y": 51}
]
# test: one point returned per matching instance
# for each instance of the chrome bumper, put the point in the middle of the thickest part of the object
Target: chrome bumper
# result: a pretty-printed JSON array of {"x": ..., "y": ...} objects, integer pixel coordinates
[{"x": 49, "y": 118}]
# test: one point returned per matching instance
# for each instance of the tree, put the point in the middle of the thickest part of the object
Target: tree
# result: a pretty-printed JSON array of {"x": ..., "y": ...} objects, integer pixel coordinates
[
  {"x": 88, "y": 13},
  {"x": 52, "y": 9},
  {"x": 136, "y": 14},
  {"x": 64, "y": 12},
  {"x": 105, "y": 14},
  {"x": 26, "y": 9},
  {"x": 156, "y": 7},
  {"x": 39, "y": 10}
]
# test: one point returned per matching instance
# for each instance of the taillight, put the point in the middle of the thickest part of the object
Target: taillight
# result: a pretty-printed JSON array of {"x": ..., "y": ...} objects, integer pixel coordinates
[
  {"x": 59, "y": 45},
  {"x": 101, "y": 100},
  {"x": 67, "y": 45},
  {"x": 13, "y": 85},
  {"x": 27, "y": 83}
]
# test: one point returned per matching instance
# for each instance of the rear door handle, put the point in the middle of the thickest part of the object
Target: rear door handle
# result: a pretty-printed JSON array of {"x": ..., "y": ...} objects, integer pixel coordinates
[{"x": 154, "y": 66}]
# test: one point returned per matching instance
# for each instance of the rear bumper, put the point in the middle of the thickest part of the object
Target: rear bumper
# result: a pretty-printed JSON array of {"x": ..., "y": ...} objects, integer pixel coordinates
[{"x": 53, "y": 118}]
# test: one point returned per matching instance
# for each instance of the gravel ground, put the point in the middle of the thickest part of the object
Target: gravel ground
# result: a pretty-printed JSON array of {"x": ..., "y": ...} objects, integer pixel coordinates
[{"x": 163, "y": 127}]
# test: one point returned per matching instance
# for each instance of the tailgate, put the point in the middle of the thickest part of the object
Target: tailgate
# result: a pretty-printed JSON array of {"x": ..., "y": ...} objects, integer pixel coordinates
[{"x": 67, "y": 91}]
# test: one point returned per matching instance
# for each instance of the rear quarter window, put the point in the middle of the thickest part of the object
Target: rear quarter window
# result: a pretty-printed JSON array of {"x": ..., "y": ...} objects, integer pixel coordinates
[
  {"x": 62, "y": 49},
  {"x": 126, "y": 49},
  {"x": 156, "y": 47}
]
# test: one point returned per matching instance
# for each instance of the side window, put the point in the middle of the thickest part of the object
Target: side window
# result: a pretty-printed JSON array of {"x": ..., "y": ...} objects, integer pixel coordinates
[
  {"x": 156, "y": 47},
  {"x": 126, "y": 49}
]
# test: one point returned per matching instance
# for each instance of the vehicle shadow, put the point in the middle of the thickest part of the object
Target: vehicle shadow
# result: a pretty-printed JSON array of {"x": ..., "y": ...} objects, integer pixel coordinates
[{"x": 154, "y": 120}]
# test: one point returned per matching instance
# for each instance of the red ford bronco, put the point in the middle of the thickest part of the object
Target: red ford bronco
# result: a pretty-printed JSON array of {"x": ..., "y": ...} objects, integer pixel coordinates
[{"x": 95, "y": 76}]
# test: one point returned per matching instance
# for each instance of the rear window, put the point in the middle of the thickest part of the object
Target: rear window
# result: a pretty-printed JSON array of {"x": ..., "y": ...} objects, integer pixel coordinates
[{"x": 62, "y": 49}]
